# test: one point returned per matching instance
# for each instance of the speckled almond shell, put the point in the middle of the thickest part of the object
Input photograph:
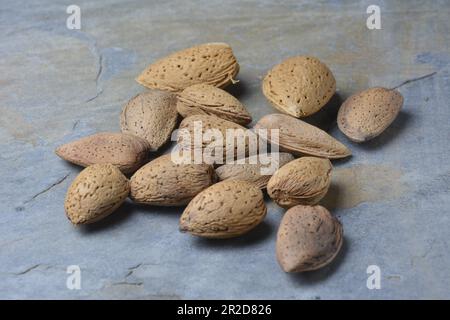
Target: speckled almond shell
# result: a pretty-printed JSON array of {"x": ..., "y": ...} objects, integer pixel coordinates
[
  {"x": 211, "y": 63},
  {"x": 302, "y": 181},
  {"x": 299, "y": 137},
  {"x": 299, "y": 86},
  {"x": 152, "y": 116},
  {"x": 250, "y": 171},
  {"x": 162, "y": 182},
  {"x": 127, "y": 152},
  {"x": 209, "y": 100},
  {"x": 227, "y": 209},
  {"x": 367, "y": 114},
  {"x": 95, "y": 193},
  {"x": 186, "y": 141},
  {"x": 308, "y": 239}
]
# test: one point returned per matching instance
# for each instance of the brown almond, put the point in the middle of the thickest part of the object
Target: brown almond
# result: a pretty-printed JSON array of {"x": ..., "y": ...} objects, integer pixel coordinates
[
  {"x": 208, "y": 100},
  {"x": 308, "y": 239},
  {"x": 127, "y": 152},
  {"x": 299, "y": 86},
  {"x": 365, "y": 115},
  {"x": 207, "y": 145},
  {"x": 224, "y": 210},
  {"x": 299, "y": 137},
  {"x": 211, "y": 63},
  {"x": 251, "y": 169},
  {"x": 302, "y": 181},
  {"x": 152, "y": 116},
  {"x": 95, "y": 193},
  {"x": 163, "y": 182}
]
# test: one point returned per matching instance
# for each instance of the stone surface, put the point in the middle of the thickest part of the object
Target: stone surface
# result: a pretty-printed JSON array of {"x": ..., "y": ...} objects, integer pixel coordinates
[{"x": 58, "y": 85}]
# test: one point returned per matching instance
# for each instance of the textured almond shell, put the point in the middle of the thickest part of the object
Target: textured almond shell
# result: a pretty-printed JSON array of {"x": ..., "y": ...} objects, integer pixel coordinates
[
  {"x": 367, "y": 114},
  {"x": 308, "y": 238},
  {"x": 209, "y": 100},
  {"x": 211, "y": 63},
  {"x": 162, "y": 182},
  {"x": 125, "y": 151},
  {"x": 299, "y": 86},
  {"x": 224, "y": 210},
  {"x": 95, "y": 193},
  {"x": 302, "y": 181},
  {"x": 299, "y": 137},
  {"x": 250, "y": 171},
  {"x": 152, "y": 116},
  {"x": 186, "y": 141}
]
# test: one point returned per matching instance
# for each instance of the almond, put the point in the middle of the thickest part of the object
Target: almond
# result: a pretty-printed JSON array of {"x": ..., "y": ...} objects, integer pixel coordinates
[
  {"x": 125, "y": 151},
  {"x": 163, "y": 182},
  {"x": 152, "y": 116},
  {"x": 209, "y": 100},
  {"x": 299, "y": 86},
  {"x": 365, "y": 115},
  {"x": 211, "y": 63},
  {"x": 251, "y": 169},
  {"x": 95, "y": 193},
  {"x": 308, "y": 239},
  {"x": 299, "y": 137},
  {"x": 302, "y": 181},
  {"x": 209, "y": 145},
  {"x": 227, "y": 209}
]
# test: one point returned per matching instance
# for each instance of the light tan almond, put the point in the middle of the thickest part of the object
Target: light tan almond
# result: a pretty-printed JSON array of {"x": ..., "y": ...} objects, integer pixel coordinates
[
  {"x": 163, "y": 182},
  {"x": 208, "y": 100},
  {"x": 211, "y": 63},
  {"x": 308, "y": 239},
  {"x": 302, "y": 181},
  {"x": 213, "y": 141},
  {"x": 95, "y": 193},
  {"x": 256, "y": 169},
  {"x": 227, "y": 209},
  {"x": 365, "y": 115},
  {"x": 152, "y": 116},
  {"x": 127, "y": 152},
  {"x": 299, "y": 137},
  {"x": 299, "y": 86}
]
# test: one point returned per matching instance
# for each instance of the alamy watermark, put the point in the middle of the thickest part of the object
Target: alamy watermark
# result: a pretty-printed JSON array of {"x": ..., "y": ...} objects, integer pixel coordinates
[
  {"x": 374, "y": 279},
  {"x": 373, "y": 22},
  {"x": 73, "y": 281},
  {"x": 73, "y": 21}
]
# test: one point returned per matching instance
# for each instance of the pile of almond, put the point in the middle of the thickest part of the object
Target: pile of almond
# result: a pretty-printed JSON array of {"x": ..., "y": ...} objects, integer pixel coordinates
[{"x": 227, "y": 201}]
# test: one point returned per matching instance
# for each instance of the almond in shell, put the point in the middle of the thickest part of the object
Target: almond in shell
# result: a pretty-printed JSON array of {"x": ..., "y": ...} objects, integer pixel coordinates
[
  {"x": 299, "y": 86},
  {"x": 299, "y": 137},
  {"x": 150, "y": 115},
  {"x": 308, "y": 238},
  {"x": 365, "y": 115},
  {"x": 302, "y": 181},
  {"x": 211, "y": 63},
  {"x": 164, "y": 182},
  {"x": 252, "y": 168},
  {"x": 224, "y": 210},
  {"x": 209, "y": 100},
  {"x": 127, "y": 152},
  {"x": 95, "y": 193}
]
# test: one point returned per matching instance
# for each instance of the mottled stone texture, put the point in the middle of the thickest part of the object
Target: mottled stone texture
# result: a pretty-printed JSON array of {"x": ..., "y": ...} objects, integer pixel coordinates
[{"x": 57, "y": 85}]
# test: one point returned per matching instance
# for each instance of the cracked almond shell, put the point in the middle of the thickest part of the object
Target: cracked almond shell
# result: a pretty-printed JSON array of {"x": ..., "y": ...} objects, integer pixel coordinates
[
  {"x": 211, "y": 63},
  {"x": 301, "y": 138},
  {"x": 308, "y": 238},
  {"x": 299, "y": 86},
  {"x": 251, "y": 169},
  {"x": 210, "y": 124},
  {"x": 224, "y": 210},
  {"x": 127, "y": 152},
  {"x": 303, "y": 181},
  {"x": 163, "y": 182},
  {"x": 152, "y": 116},
  {"x": 209, "y": 100},
  {"x": 95, "y": 193},
  {"x": 365, "y": 115}
]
